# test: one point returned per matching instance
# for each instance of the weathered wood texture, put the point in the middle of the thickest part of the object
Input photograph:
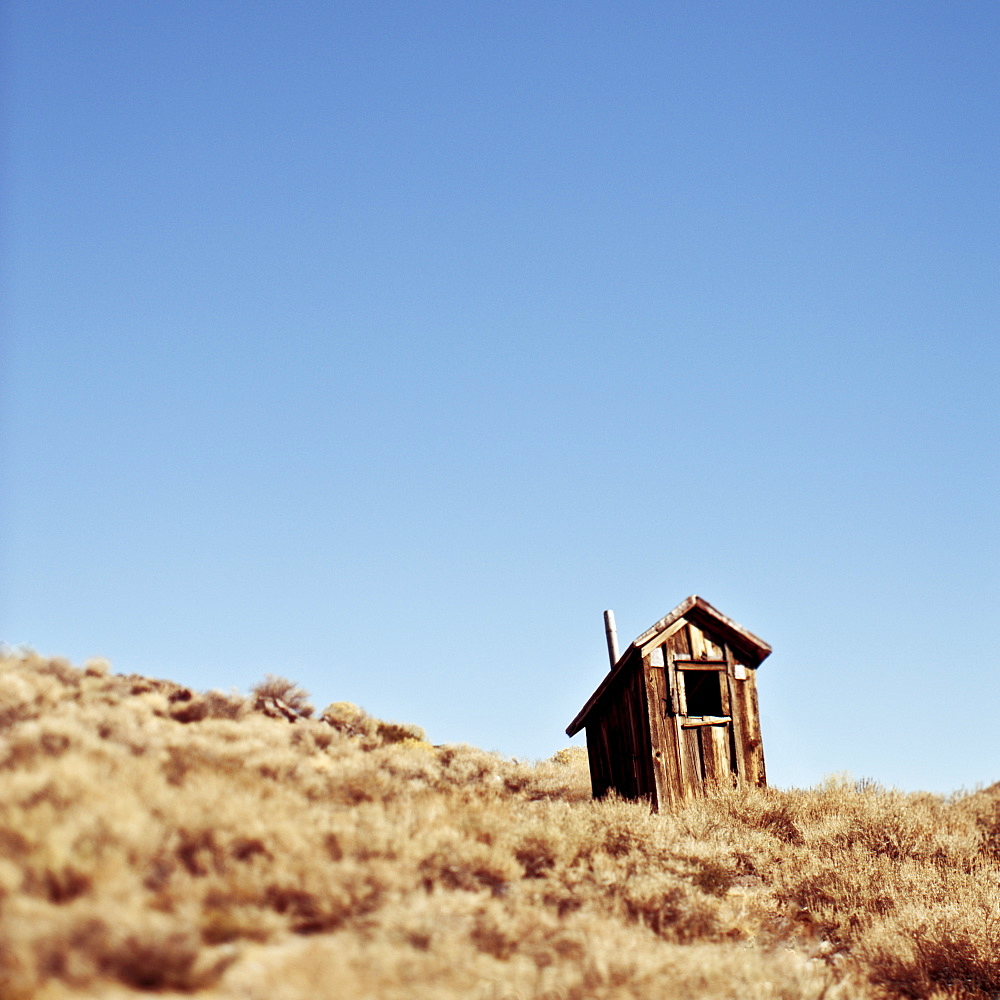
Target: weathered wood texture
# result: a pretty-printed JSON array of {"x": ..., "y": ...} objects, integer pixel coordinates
[
  {"x": 677, "y": 716},
  {"x": 749, "y": 718},
  {"x": 618, "y": 741}
]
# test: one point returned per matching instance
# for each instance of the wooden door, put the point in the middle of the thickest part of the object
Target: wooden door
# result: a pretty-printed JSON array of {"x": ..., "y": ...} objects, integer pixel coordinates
[{"x": 704, "y": 722}]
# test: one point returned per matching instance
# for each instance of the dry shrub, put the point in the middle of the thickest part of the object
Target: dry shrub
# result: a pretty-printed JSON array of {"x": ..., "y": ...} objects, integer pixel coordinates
[
  {"x": 153, "y": 838},
  {"x": 186, "y": 706},
  {"x": 670, "y": 908},
  {"x": 400, "y": 732},
  {"x": 953, "y": 947},
  {"x": 354, "y": 722},
  {"x": 282, "y": 689},
  {"x": 97, "y": 667}
]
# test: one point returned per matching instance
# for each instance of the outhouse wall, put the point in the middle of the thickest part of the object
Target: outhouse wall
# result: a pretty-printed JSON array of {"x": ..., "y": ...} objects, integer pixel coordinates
[
  {"x": 693, "y": 752},
  {"x": 618, "y": 739}
]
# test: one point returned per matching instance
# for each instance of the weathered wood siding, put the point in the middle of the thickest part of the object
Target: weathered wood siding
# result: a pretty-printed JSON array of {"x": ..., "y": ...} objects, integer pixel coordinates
[
  {"x": 618, "y": 741},
  {"x": 690, "y": 756},
  {"x": 747, "y": 718}
]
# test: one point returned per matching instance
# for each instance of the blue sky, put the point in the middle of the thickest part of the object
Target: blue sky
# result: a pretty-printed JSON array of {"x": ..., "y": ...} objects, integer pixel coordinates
[{"x": 383, "y": 346}]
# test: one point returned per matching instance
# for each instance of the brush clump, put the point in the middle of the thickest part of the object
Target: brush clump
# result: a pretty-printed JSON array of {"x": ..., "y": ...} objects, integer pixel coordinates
[{"x": 155, "y": 838}]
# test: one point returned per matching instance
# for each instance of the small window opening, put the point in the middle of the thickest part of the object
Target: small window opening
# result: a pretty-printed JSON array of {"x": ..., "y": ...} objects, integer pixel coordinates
[{"x": 702, "y": 691}]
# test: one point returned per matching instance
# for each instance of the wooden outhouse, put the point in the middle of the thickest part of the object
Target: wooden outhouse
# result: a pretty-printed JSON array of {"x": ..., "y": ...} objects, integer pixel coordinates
[{"x": 677, "y": 714}]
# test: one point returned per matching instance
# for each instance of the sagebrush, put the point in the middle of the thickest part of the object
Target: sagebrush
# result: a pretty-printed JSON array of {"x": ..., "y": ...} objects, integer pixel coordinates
[{"x": 153, "y": 838}]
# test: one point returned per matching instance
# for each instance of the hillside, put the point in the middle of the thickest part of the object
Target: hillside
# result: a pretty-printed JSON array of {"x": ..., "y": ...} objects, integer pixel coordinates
[{"x": 157, "y": 839}]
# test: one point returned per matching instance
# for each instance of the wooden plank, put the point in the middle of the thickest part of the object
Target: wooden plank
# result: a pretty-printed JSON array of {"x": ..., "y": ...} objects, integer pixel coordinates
[
  {"x": 677, "y": 706},
  {"x": 709, "y": 758},
  {"x": 700, "y": 664},
  {"x": 722, "y": 751},
  {"x": 670, "y": 760},
  {"x": 644, "y": 747},
  {"x": 758, "y": 750},
  {"x": 684, "y": 776},
  {"x": 715, "y": 752},
  {"x": 613, "y": 728},
  {"x": 594, "y": 755},
  {"x": 625, "y": 749},
  {"x": 735, "y": 774},
  {"x": 622, "y": 745},
  {"x": 646, "y": 779},
  {"x": 698, "y": 721},
  {"x": 660, "y": 736},
  {"x": 680, "y": 641},
  {"x": 725, "y": 679},
  {"x": 733, "y": 687},
  {"x": 681, "y": 778},
  {"x": 694, "y": 768},
  {"x": 601, "y": 779},
  {"x": 713, "y": 645},
  {"x": 659, "y": 638},
  {"x": 752, "y": 752},
  {"x": 745, "y": 729},
  {"x": 698, "y": 650}
]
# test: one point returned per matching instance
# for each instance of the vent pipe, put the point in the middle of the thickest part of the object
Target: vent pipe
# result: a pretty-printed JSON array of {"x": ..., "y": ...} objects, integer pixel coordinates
[{"x": 611, "y": 632}]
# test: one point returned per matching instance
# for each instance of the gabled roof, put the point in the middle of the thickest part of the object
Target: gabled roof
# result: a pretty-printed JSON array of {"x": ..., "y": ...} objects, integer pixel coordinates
[{"x": 695, "y": 609}]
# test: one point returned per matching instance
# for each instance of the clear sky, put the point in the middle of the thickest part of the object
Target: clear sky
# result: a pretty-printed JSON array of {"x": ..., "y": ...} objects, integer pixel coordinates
[{"x": 384, "y": 345}]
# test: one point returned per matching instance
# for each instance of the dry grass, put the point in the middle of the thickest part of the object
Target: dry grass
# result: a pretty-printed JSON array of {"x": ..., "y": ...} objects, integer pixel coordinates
[{"x": 155, "y": 838}]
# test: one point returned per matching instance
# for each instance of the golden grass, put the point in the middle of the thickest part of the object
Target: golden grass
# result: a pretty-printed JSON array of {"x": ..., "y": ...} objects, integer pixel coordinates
[{"x": 157, "y": 839}]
